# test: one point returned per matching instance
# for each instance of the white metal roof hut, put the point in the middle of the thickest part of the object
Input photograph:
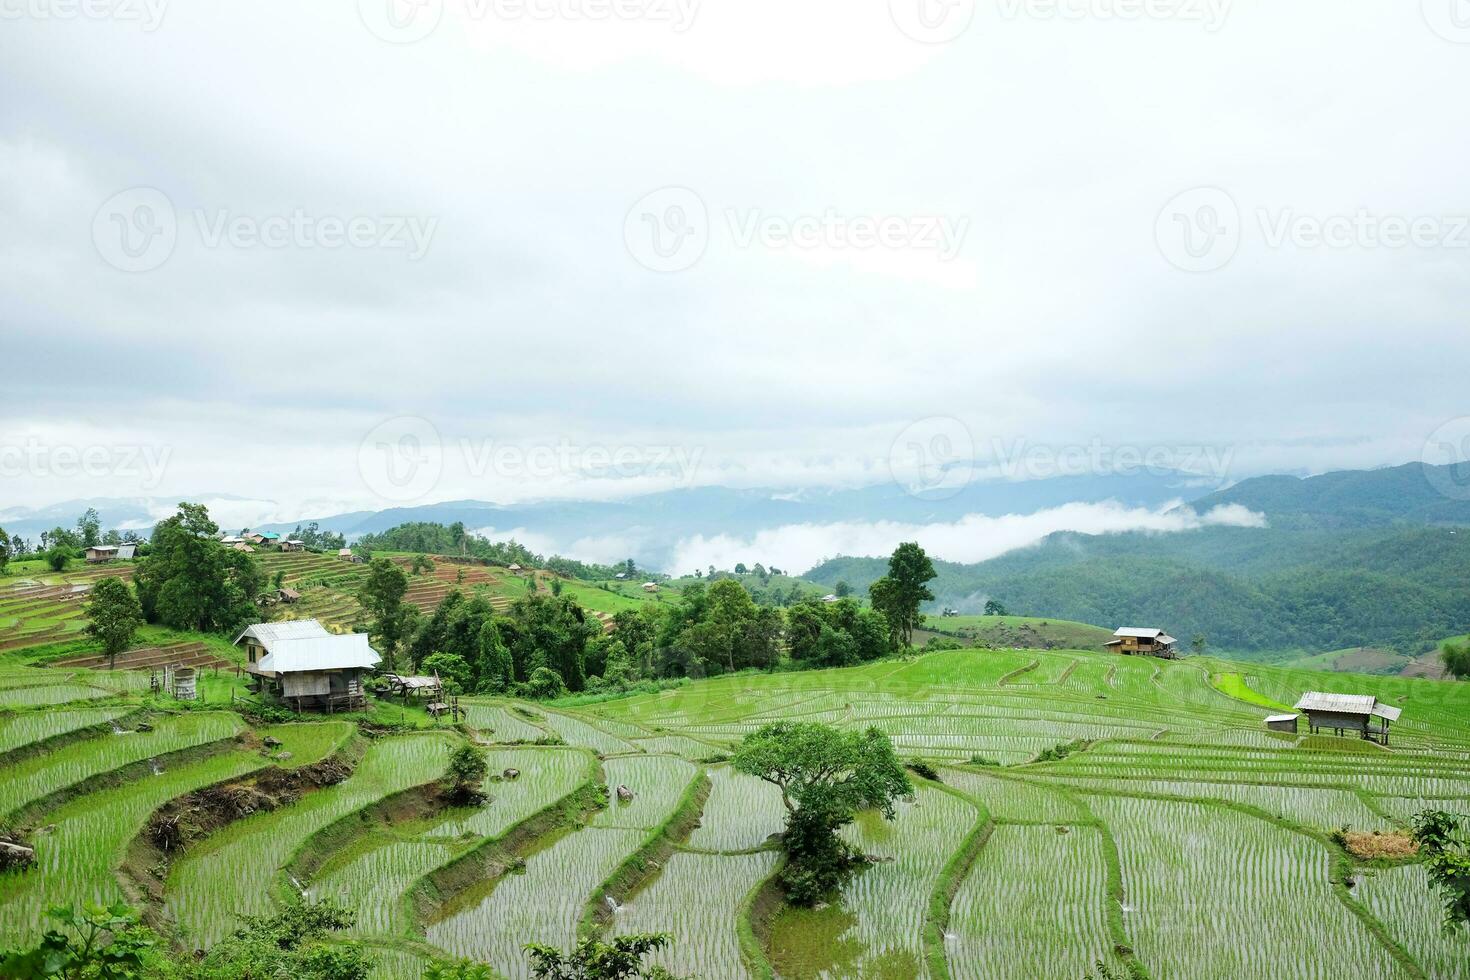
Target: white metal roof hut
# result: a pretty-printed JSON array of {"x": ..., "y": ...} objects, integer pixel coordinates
[
  {"x": 1344, "y": 713},
  {"x": 101, "y": 552},
  {"x": 1148, "y": 641},
  {"x": 301, "y": 663}
]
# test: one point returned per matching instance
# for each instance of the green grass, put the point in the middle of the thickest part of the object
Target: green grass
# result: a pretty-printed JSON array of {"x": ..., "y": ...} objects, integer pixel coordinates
[{"x": 1235, "y": 686}]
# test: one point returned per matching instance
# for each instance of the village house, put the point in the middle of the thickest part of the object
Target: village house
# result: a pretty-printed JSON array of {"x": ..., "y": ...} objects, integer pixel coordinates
[
  {"x": 230, "y": 540},
  {"x": 650, "y": 586},
  {"x": 1143, "y": 641},
  {"x": 101, "y": 552},
  {"x": 1343, "y": 713},
  {"x": 306, "y": 666},
  {"x": 291, "y": 544}
]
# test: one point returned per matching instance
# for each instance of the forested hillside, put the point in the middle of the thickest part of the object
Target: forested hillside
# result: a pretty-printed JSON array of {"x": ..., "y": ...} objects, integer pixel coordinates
[{"x": 1244, "y": 589}]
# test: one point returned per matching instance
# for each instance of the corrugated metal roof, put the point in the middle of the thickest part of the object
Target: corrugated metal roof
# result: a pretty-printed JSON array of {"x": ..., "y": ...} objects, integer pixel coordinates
[
  {"x": 1387, "y": 711},
  {"x": 1346, "y": 704},
  {"x": 1140, "y": 632},
  {"x": 1166, "y": 638},
  {"x": 1272, "y": 718},
  {"x": 127, "y": 551},
  {"x": 291, "y": 629},
  {"x": 319, "y": 653}
]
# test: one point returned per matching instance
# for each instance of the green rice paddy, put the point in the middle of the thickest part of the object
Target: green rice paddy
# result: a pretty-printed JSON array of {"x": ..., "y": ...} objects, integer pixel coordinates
[{"x": 1171, "y": 826}]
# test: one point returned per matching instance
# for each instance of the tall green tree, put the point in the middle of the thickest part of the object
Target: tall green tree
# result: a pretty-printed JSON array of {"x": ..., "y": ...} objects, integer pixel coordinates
[
  {"x": 900, "y": 593},
  {"x": 192, "y": 582},
  {"x": 381, "y": 594},
  {"x": 115, "y": 616},
  {"x": 89, "y": 528},
  {"x": 1456, "y": 659},
  {"x": 7, "y": 548},
  {"x": 825, "y": 777}
]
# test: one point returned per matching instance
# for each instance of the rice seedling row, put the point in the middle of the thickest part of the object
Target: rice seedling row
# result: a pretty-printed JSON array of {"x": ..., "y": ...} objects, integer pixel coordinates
[
  {"x": 83, "y": 842},
  {"x": 29, "y": 727},
  {"x": 39, "y": 776},
  {"x": 696, "y": 898},
  {"x": 1213, "y": 894},
  {"x": 1033, "y": 905},
  {"x": 232, "y": 871},
  {"x": 1404, "y": 901}
]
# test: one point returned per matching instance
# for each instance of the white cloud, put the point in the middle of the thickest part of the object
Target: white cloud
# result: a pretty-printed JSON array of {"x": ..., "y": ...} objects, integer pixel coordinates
[{"x": 974, "y": 538}]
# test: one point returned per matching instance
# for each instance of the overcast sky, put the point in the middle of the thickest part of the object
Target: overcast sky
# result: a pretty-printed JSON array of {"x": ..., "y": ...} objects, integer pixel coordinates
[{"x": 339, "y": 255}]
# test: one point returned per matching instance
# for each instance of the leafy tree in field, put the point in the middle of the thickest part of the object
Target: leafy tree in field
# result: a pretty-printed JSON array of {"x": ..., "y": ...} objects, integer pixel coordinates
[
  {"x": 620, "y": 959},
  {"x": 545, "y": 684},
  {"x": 422, "y": 564},
  {"x": 842, "y": 590},
  {"x": 900, "y": 593},
  {"x": 994, "y": 608},
  {"x": 451, "y": 668},
  {"x": 740, "y": 568},
  {"x": 1198, "y": 644},
  {"x": 467, "y": 769},
  {"x": 381, "y": 594},
  {"x": 825, "y": 777},
  {"x": 106, "y": 943},
  {"x": 113, "y": 537},
  {"x": 8, "y": 547},
  {"x": 1456, "y": 658},
  {"x": 1443, "y": 841},
  {"x": 89, "y": 528},
  {"x": 552, "y": 632},
  {"x": 192, "y": 582},
  {"x": 58, "y": 558},
  {"x": 60, "y": 537},
  {"x": 115, "y": 616}
]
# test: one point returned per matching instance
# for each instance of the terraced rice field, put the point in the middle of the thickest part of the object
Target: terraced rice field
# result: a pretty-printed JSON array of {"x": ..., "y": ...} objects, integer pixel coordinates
[
  {"x": 1173, "y": 824},
  {"x": 233, "y": 872},
  {"x": 26, "y": 728},
  {"x": 39, "y": 776},
  {"x": 1058, "y": 875}
]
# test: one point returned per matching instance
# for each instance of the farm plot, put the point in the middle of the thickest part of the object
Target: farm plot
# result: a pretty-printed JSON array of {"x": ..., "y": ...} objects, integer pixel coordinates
[
  {"x": 41, "y": 775},
  {"x": 575, "y": 731},
  {"x": 656, "y": 781},
  {"x": 44, "y": 694},
  {"x": 696, "y": 898},
  {"x": 1406, "y": 904},
  {"x": 876, "y": 927},
  {"x": 29, "y": 727},
  {"x": 232, "y": 871},
  {"x": 1323, "y": 808},
  {"x": 1013, "y": 800},
  {"x": 84, "y": 842},
  {"x": 375, "y": 875},
  {"x": 497, "y": 723},
  {"x": 1213, "y": 894},
  {"x": 1034, "y": 904},
  {"x": 543, "y": 905},
  {"x": 740, "y": 813}
]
